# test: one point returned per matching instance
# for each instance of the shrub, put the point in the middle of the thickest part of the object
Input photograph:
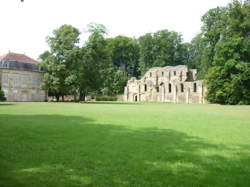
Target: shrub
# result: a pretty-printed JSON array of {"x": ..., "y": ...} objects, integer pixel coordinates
[
  {"x": 2, "y": 97},
  {"x": 103, "y": 98}
]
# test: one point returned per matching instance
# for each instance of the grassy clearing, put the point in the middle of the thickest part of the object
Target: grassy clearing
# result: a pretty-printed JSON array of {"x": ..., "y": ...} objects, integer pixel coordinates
[{"x": 124, "y": 144}]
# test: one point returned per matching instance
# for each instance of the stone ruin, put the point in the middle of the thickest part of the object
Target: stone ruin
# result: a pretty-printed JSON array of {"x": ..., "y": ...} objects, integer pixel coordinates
[{"x": 176, "y": 84}]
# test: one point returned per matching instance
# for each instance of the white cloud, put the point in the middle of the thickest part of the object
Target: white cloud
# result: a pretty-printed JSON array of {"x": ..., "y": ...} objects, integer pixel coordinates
[{"x": 24, "y": 26}]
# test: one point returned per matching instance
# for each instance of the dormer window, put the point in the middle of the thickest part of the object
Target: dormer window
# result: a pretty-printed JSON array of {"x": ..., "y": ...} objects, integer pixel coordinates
[{"x": 5, "y": 64}]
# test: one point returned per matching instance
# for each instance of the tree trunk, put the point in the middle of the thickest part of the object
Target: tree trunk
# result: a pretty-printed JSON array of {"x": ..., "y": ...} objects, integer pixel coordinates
[
  {"x": 57, "y": 98},
  {"x": 62, "y": 98},
  {"x": 82, "y": 96},
  {"x": 75, "y": 97}
]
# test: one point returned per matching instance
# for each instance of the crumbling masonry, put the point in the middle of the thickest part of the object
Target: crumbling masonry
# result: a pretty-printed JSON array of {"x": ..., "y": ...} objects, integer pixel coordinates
[{"x": 175, "y": 84}]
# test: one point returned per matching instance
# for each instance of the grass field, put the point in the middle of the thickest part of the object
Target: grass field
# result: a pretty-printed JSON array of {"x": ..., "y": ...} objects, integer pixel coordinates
[{"x": 124, "y": 144}]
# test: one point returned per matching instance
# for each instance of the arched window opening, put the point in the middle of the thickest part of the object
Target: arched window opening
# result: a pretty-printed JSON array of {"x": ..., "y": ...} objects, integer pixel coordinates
[
  {"x": 182, "y": 88},
  {"x": 136, "y": 98},
  {"x": 157, "y": 89},
  {"x": 195, "y": 87},
  {"x": 145, "y": 87},
  {"x": 169, "y": 88},
  {"x": 181, "y": 76}
]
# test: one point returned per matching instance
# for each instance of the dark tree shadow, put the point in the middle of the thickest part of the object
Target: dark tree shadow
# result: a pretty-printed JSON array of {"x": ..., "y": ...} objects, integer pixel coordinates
[
  {"x": 112, "y": 102},
  {"x": 6, "y": 104},
  {"x": 55, "y": 150}
]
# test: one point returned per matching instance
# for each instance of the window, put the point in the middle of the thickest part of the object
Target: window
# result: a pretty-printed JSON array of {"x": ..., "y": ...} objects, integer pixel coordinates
[
  {"x": 157, "y": 89},
  {"x": 16, "y": 79},
  {"x": 136, "y": 98},
  {"x": 169, "y": 88},
  {"x": 169, "y": 75},
  {"x": 15, "y": 93},
  {"x": 33, "y": 95},
  {"x": 162, "y": 73},
  {"x": 181, "y": 76},
  {"x": 5, "y": 64},
  {"x": 195, "y": 87},
  {"x": 42, "y": 95},
  {"x": 25, "y": 79},
  {"x": 34, "y": 81},
  {"x": 150, "y": 74},
  {"x": 182, "y": 88},
  {"x": 145, "y": 87},
  {"x": 5, "y": 78},
  {"x": 174, "y": 73}
]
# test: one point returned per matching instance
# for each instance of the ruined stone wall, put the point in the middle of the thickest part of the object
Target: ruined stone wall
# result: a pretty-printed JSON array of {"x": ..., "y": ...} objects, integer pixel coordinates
[
  {"x": 175, "y": 84},
  {"x": 22, "y": 85}
]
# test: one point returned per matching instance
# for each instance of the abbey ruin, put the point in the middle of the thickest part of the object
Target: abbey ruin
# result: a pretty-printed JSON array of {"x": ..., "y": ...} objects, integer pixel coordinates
[{"x": 175, "y": 84}]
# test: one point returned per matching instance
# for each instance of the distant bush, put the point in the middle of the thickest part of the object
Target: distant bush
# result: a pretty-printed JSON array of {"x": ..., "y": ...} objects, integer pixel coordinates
[
  {"x": 2, "y": 97},
  {"x": 103, "y": 98}
]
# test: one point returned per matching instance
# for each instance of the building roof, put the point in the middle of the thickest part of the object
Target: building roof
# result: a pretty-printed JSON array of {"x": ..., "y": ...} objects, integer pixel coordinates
[
  {"x": 18, "y": 62},
  {"x": 17, "y": 58}
]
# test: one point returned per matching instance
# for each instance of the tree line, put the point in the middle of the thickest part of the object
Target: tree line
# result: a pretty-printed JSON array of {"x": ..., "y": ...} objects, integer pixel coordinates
[{"x": 102, "y": 65}]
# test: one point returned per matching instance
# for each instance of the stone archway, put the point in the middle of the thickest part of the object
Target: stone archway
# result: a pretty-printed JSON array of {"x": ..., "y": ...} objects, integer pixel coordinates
[{"x": 135, "y": 98}]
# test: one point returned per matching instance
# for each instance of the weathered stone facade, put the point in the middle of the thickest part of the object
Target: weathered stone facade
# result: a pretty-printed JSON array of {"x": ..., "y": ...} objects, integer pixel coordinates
[
  {"x": 20, "y": 78},
  {"x": 176, "y": 84}
]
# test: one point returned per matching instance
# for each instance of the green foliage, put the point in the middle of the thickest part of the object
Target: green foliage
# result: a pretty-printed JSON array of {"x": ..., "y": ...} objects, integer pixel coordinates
[
  {"x": 103, "y": 98},
  {"x": 161, "y": 49},
  {"x": 115, "y": 81},
  {"x": 228, "y": 81},
  {"x": 2, "y": 96},
  {"x": 196, "y": 55},
  {"x": 95, "y": 59},
  {"x": 125, "y": 54},
  {"x": 60, "y": 63},
  {"x": 220, "y": 53}
]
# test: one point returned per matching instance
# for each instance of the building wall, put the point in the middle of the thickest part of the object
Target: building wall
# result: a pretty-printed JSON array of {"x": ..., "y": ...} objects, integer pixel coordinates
[
  {"x": 175, "y": 84},
  {"x": 22, "y": 85}
]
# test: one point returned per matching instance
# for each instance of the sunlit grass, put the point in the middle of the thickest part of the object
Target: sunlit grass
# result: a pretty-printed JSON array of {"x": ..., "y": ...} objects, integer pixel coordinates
[{"x": 124, "y": 144}]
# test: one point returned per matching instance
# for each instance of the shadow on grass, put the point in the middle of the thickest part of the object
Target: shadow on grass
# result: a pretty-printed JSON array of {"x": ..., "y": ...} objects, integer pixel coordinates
[
  {"x": 6, "y": 104},
  {"x": 55, "y": 150}
]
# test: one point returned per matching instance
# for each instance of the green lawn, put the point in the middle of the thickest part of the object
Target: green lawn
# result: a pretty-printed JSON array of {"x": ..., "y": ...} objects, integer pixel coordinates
[{"x": 124, "y": 144}]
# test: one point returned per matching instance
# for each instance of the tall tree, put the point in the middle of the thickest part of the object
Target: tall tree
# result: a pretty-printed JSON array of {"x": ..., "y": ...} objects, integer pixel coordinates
[
  {"x": 228, "y": 81},
  {"x": 96, "y": 57},
  {"x": 196, "y": 49},
  {"x": 60, "y": 62},
  {"x": 125, "y": 54},
  {"x": 160, "y": 49},
  {"x": 213, "y": 25}
]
